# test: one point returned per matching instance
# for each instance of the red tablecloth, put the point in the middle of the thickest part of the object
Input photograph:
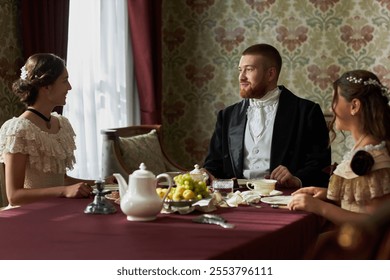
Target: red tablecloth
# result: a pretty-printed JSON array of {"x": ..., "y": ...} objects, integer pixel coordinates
[{"x": 58, "y": 229}]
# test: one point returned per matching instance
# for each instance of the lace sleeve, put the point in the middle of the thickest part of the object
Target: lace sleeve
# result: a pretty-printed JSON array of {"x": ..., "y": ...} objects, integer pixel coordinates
[
  {"x": 13, "y": 139},
  {"x": 360, "y": 189},
  {"x": 47, "y": 152}
]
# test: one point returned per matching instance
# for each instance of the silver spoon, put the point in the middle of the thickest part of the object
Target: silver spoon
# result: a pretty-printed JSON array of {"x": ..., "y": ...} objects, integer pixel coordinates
[{"x": 212, "y": 219}]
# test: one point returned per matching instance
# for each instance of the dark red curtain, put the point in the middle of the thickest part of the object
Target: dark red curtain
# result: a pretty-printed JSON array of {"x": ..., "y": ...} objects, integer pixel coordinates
[
  {"x": 44, "y": 25},
  {"x": 145, "y": 29}
]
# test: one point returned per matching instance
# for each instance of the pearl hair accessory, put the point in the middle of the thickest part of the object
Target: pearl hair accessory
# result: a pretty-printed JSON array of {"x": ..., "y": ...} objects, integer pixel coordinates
[
  {"x": 384, "y": 90},
  {"x": 24, "y": 73}
]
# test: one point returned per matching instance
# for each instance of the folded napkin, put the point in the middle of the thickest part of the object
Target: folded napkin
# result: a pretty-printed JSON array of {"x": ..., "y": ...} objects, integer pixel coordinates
[
  {"x": 241, "y": 198},
  {"x": 237, "y": 198}
]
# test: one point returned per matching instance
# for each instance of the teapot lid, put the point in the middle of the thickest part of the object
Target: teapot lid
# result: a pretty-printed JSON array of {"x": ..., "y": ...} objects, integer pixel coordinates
[{"x": 142, "y": 172}]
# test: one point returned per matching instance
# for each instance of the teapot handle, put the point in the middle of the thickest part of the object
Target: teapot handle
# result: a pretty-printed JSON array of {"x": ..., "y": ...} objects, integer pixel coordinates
[{"x": 169, "y": 179}]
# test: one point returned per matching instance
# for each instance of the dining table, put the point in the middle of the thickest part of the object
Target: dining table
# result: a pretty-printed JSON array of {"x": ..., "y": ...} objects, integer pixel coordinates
[{"x": 58, "y": 229}]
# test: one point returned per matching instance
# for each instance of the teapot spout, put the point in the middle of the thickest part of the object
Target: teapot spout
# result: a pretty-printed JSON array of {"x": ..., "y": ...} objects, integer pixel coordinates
[{"x": 122, "y": 184}]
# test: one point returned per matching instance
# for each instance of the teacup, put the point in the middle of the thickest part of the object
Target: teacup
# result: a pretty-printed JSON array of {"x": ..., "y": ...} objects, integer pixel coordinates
[{"x": 263, "y": 186}]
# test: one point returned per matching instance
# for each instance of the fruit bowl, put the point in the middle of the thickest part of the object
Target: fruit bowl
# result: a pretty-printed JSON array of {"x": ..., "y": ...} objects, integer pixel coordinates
[{"x": 180, "y": 203}]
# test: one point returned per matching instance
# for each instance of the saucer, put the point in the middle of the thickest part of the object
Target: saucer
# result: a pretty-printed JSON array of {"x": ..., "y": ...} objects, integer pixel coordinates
[
  {"x": 113, "y": 195},
  {"x": 277, "y": 200},
  {"x": 272, "y": 193},
  {"x": 109, "y": 187}
]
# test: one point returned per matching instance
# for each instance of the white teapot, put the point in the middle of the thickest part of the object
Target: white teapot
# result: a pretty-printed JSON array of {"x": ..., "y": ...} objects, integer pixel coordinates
[{"x": 139, "y": 199}]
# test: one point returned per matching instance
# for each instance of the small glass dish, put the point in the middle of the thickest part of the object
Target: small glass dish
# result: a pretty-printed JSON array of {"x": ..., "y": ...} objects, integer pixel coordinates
[{"x": 223, "y": 186}]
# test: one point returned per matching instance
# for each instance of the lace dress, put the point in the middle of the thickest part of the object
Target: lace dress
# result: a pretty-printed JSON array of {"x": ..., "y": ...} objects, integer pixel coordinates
[
  {"x": 354, "y": 192},
  {"x": 49, "y": 155}
]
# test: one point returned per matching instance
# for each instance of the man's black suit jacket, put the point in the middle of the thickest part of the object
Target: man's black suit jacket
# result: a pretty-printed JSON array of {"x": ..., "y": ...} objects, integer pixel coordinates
[{"x": 300, "y": 140}]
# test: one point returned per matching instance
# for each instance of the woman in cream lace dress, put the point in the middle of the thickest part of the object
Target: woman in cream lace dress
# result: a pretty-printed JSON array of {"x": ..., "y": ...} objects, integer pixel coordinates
[
  {"x": 362, "y": 180},
  {"x": 38, "y": 146}
]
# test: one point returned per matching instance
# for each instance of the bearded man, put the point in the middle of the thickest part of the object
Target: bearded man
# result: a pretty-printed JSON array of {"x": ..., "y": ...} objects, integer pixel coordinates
[{"x": 271, "y": 133}]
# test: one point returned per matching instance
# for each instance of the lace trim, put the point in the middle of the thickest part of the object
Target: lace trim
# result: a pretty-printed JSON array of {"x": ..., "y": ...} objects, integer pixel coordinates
[
  {"x": 379, "y": 153},
  {"x": 368, "y": 148},
  {"x": 47, "y": 152},
  {"x": 361, "y": 189}
]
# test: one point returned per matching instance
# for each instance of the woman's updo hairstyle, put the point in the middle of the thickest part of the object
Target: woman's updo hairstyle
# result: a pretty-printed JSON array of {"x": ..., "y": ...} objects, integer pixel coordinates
[
  {"x": 374, "y": 97},
  {"x": 40, "y": 70}
]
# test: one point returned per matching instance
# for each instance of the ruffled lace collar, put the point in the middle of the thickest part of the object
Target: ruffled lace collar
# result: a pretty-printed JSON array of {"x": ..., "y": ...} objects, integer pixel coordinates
[
  {"x": 48, "y": 152},
  {"x": 379, "y": 153},
  {"x": 368, "y": 148}
]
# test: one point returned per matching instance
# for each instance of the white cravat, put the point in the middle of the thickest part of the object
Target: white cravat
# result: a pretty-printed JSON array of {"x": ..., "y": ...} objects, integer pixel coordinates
[{"x": 261, "y": 112}]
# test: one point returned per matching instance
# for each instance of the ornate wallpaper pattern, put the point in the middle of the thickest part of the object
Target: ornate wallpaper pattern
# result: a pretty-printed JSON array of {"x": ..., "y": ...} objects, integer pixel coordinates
[
  {"x": 202, "y": 44},
  {"x": 10, "y": 58},
  {"x": 318, "y": 41}
]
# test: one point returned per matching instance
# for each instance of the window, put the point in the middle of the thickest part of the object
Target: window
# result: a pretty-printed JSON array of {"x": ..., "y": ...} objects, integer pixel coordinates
[{"x": 101, "y": 73}]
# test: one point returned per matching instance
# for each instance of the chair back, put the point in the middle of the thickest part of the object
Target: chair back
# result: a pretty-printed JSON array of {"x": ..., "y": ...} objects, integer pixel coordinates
[{"x": 115, "y": 160}]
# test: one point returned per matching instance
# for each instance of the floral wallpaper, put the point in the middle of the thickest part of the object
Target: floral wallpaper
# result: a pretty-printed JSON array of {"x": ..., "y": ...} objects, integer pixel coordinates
[
  {"x": 10, "y": 58},
  {"x": 202, "y": 44},
  {"x": 318, "y": 41},
  {"x": 10, "y": 55}
]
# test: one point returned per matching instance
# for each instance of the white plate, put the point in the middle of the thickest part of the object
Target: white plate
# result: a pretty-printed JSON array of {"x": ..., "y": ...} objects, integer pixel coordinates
[
  {"x": 112, "y": 196},
  {"x": 272, "y": 193},
  {"x": 279, "y": 199},
  {"x": 109, "y": 187}
]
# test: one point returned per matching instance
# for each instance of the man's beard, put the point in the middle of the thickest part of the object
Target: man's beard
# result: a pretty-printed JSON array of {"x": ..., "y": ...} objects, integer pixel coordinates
[
  {"x": 245, "y": 93},
  {"x": 257, "y": 92}
]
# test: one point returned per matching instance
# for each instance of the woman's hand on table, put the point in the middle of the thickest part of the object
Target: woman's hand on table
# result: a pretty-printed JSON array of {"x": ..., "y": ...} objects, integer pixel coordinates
[
  {"x": 308, "y": 199},
  {"x": 77, "y": 190},
  {"x": 315, "y": 192},
  {"x": 306, "y": 202}
]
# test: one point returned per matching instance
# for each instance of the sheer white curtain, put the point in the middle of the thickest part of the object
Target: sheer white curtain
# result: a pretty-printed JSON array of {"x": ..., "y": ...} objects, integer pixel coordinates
[{"x": 101, "y": 73}]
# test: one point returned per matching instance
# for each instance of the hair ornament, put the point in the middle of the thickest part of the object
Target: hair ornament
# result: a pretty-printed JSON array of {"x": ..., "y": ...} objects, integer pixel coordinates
[
  {"x": 354, "y": 80},
  {"x": 385, "y": 91},
  {"x": 24, "y": 73}
]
